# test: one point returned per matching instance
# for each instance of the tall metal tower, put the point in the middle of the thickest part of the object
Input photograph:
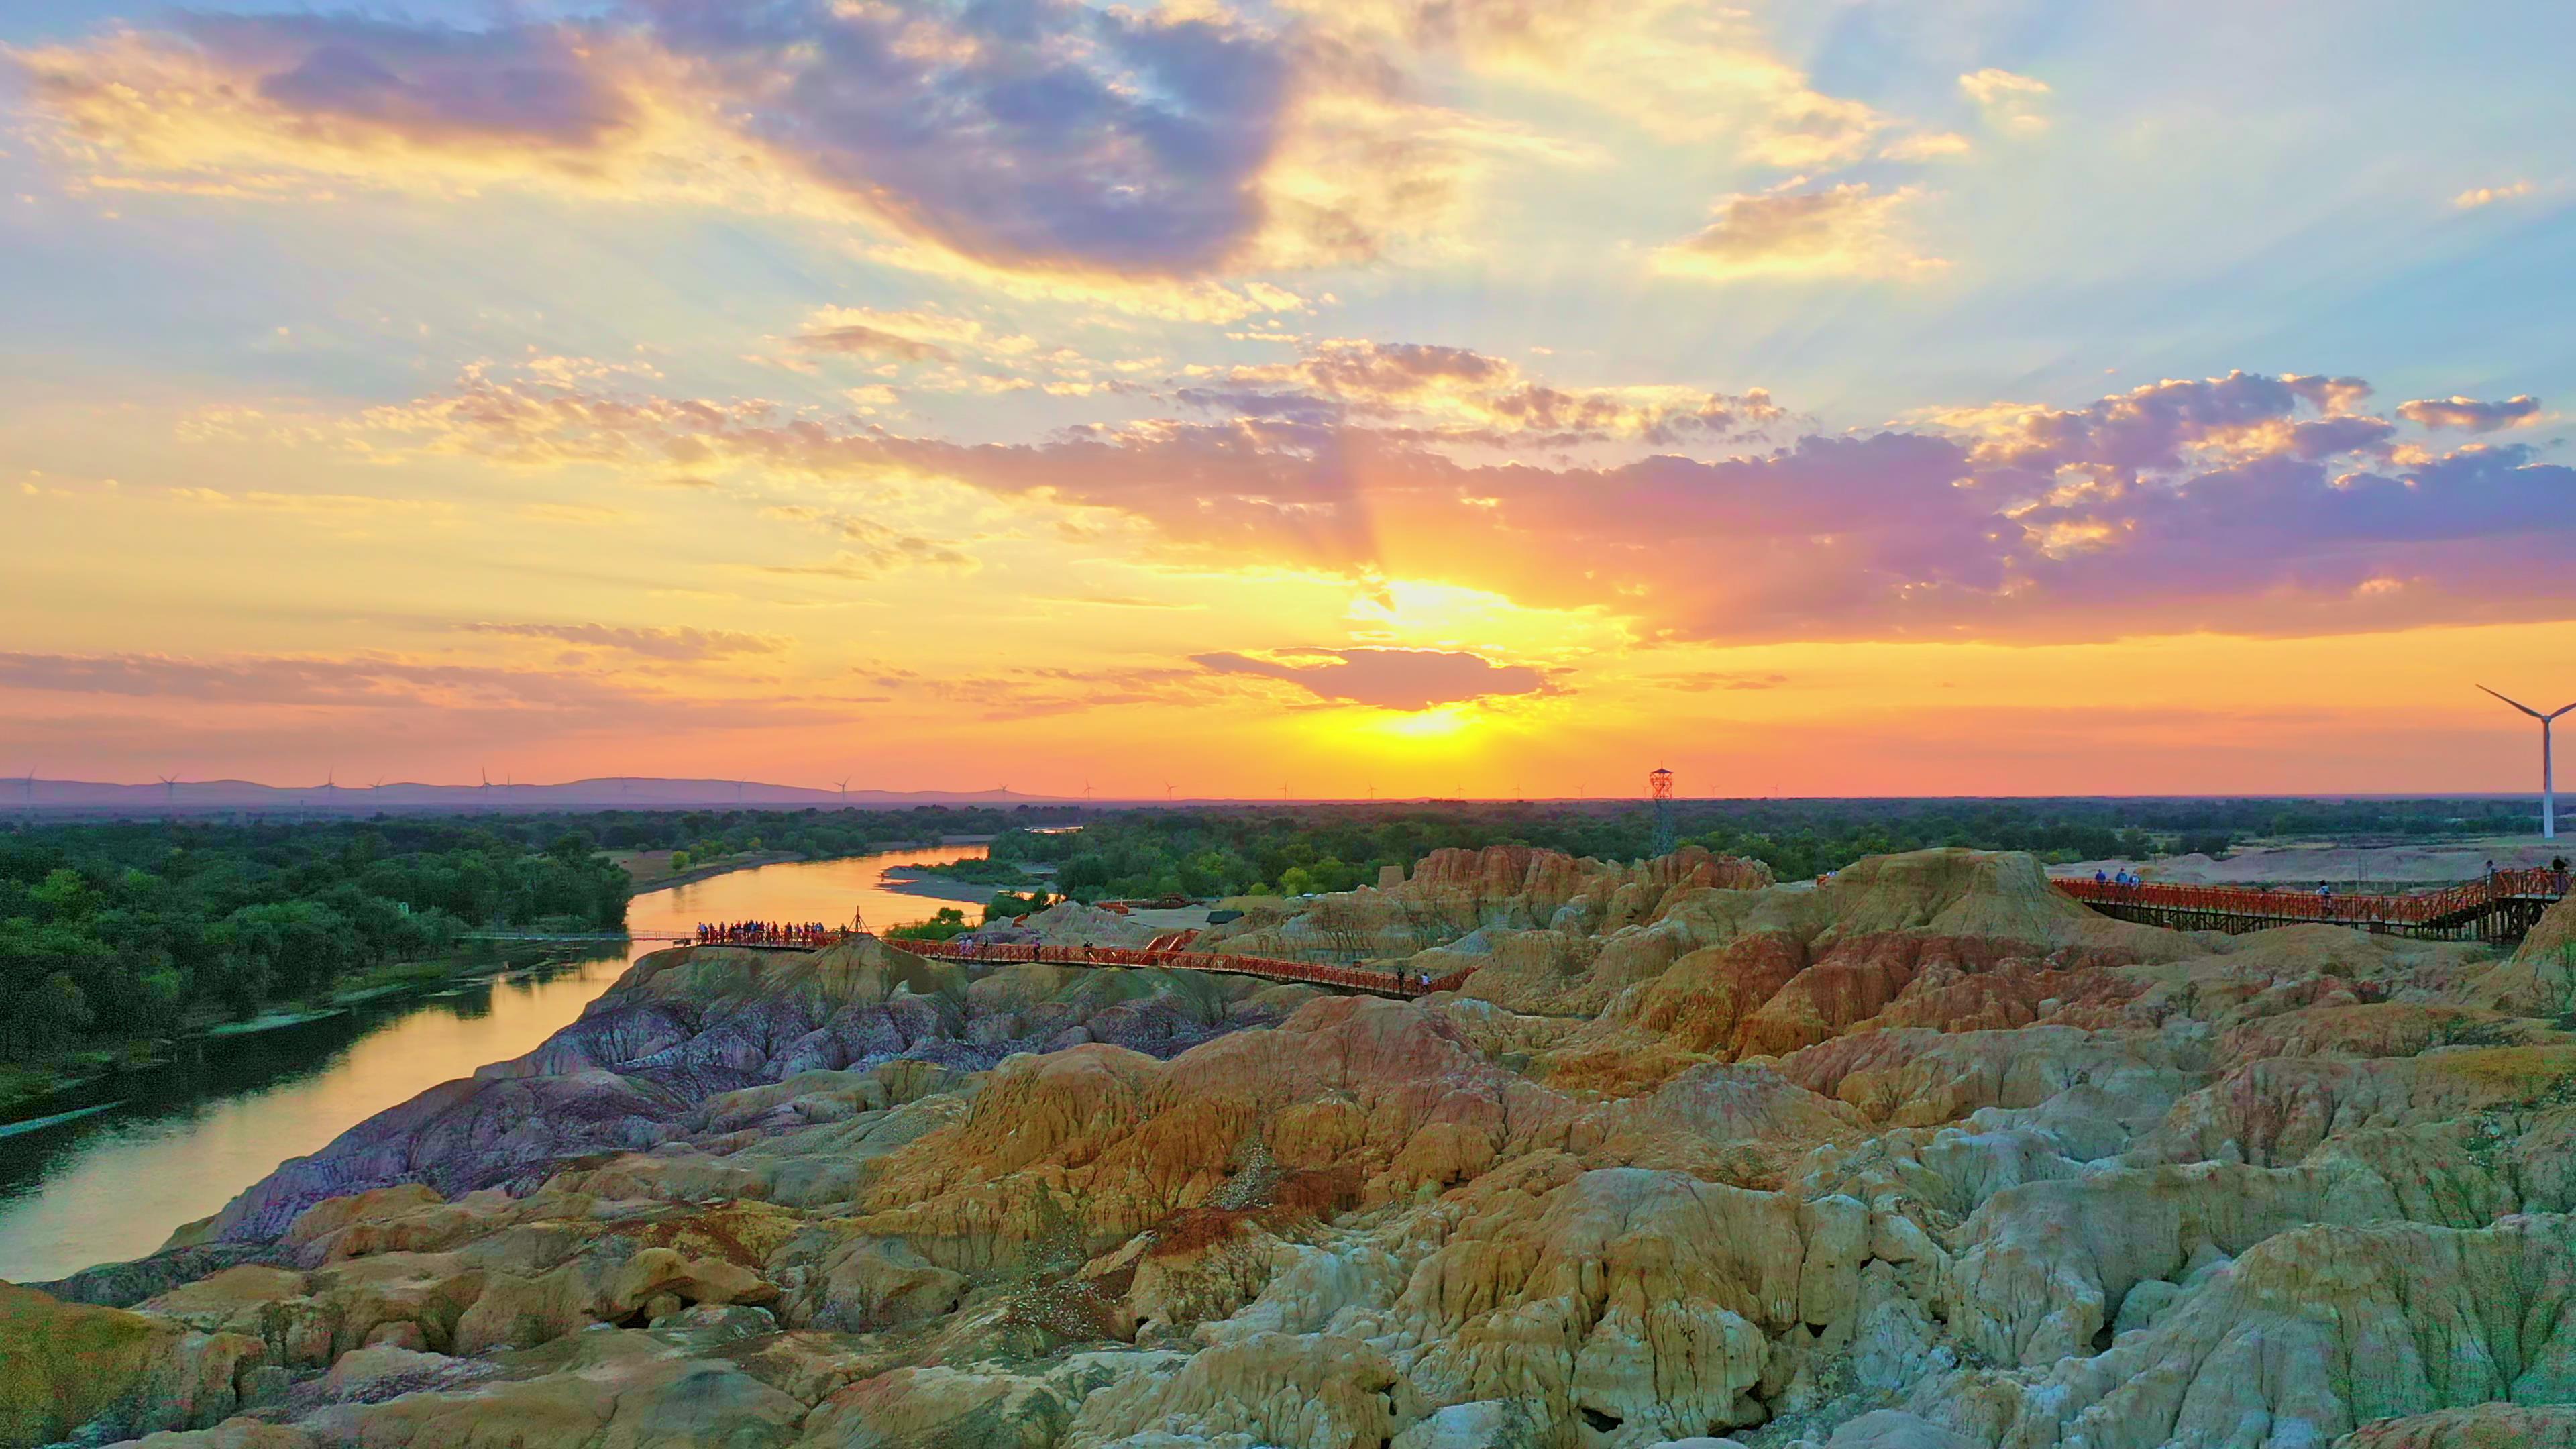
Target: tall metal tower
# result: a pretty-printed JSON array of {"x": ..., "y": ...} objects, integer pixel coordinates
[
  {"x": 1659, "y": 784},
  {"x": 2548, "y": 775}
]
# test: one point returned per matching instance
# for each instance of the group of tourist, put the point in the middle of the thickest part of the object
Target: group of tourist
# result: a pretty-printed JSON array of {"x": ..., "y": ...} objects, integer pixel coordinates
[
  {"x": 2123, "y": 877},
  {"x": 2557, "y": 871},
  {"x": 767, "y": 933}
]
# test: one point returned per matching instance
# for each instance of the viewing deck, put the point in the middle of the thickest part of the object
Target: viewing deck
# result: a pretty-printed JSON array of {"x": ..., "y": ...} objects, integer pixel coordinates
[{"x": 2501, "y": 907}]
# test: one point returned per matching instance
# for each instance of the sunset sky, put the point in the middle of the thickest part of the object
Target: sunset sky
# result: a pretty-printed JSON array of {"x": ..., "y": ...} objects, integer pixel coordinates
[{"x": 1420, "y": 396}]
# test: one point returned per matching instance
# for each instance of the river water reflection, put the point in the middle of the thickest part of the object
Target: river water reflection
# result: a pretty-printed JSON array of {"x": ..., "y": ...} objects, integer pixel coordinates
[{"x": 176, "y": 1142}]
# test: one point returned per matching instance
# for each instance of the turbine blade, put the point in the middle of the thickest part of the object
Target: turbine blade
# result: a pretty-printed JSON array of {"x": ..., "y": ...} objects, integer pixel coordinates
[
  {"x": 2517, "y": 704},
  {"x": 2555, "y": 713}
]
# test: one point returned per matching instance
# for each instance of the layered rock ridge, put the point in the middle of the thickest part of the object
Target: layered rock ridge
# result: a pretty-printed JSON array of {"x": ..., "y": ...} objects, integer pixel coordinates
[{"x": 1926, "y": 1156}]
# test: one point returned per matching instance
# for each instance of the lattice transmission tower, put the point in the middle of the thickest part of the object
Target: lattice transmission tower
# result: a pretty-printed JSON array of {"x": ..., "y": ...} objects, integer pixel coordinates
[{"x": 1659, "y": 785}]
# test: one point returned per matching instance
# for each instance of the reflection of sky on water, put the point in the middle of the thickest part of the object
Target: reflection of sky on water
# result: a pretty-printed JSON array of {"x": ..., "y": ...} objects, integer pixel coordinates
[{"x": 189, "y": 1136}]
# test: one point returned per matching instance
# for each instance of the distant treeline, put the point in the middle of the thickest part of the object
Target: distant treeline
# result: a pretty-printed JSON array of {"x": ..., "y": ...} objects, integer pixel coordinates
[
  {"x": 1292, "y": 850},
  {"x": 134, "y": 929},
  {"x": 116, "y": 931},
  {"x": 709, "y": 835}
]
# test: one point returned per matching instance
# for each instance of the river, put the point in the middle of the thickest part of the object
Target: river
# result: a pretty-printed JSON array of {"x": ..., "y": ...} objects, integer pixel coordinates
[{"x": 175, "y": 1142}]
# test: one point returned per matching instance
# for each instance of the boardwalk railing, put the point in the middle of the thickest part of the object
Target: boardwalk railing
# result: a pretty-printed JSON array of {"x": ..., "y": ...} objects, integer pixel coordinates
[
  {"x": 555, "y": 936},
  {"x": 1348, "y": 978},
  {"x": 2503, "y": 904},
  {"x": 790, "y": 940}
]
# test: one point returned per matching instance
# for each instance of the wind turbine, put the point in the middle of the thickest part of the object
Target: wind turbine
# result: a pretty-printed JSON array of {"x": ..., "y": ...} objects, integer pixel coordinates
[
  {"x": 843, "y": 785},
  {"x": 170, "y": 793},
  {"x": 330, "y": 789},
  {"x": 1167, "y": 792},
  {"x": 2548, "y": 782}
]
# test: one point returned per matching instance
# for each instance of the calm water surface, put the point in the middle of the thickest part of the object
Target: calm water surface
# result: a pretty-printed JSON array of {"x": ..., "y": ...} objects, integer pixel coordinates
[{"x": 176, "y": 1142}]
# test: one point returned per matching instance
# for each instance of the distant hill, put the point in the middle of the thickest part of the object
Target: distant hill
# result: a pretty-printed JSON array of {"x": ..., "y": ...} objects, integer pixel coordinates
[{"x": 202, "y": 797}]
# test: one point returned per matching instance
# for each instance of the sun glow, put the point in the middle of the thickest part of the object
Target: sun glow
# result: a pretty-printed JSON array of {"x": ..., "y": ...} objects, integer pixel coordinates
[{"x": 1446, "y": 722}]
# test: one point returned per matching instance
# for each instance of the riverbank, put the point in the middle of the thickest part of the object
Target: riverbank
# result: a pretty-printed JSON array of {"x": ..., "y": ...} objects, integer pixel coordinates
[
  {"x": 948, "y": 888},
  {"x": 647, "y": 870},
  {"x": 182, "y": 1138},
  {"x": 26, "y": 1084},
  {"x": 940, "y": 888},
  {"x": 30, "y": 1084}
]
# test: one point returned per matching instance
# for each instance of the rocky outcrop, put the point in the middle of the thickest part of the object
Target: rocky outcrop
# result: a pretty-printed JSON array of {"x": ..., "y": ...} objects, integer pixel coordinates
[
  {"x": 757, "y": 1034},
  {"x": 1925, "y": 1156},
  {"x": 1456, "y": 894},
  {"x": 67, "y": 1367},
  {"x": 2319, "y": 1330}
]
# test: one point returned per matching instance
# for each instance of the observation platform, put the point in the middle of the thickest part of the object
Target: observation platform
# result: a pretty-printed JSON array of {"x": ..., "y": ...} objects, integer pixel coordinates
[{"x": 2501, "y": 907}]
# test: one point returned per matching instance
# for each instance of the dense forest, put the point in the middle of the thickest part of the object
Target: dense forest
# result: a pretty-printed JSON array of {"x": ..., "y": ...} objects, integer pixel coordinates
[
  {"x": 122, "y": 930},
  {"x": 135, "y": 929},
  {"x": 131, "y": 930},
  {"x": 1327, "y": 848}
]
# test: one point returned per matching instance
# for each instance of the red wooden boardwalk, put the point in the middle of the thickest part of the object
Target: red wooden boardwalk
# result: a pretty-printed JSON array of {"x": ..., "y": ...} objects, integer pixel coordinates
[
  {"x": 2500, "y": 907},
  {"x": 1347, "y": 978},
  {"x": 1166, "y": 957}
]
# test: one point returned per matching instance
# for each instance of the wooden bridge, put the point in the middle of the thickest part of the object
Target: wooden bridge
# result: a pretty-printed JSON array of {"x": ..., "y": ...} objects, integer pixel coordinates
[{"x": 2501, "y": 907}]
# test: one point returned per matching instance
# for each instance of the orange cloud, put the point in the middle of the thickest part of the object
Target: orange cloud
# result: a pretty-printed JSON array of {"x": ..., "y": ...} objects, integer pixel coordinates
[
  {"x": 1455, "y": 395},
  {"x": 2010, "y": 102},
  {"x": 2471, "y": 415},
  {"x": 1397, "y": 679},
  {"x": 1846, "y": 230},
  {"x": 2477, "y": 196},
  {"x": 2234, "y": 503}
]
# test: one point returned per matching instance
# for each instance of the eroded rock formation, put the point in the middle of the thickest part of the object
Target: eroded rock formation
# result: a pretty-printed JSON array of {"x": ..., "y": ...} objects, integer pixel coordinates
[{"x": 1923, "y": 1157}]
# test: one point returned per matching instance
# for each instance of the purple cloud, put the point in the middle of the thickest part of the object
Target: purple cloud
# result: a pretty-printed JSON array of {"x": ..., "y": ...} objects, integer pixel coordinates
[
  {"x": 681, "y": 643},
  {"x": 1403, "y": 679},
  {"x": 1456, "y": 395},
  {"x": 1034, "y": 134},
  {"x": 2469, "y": 414},
  {"x": 2152, "y": 427},
  {"x": 516, "y": 83},
  {"x": 2223, "y": 503},
  {"x": 1041, "y": 131},
  {"x": 857, "y": 337}
]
